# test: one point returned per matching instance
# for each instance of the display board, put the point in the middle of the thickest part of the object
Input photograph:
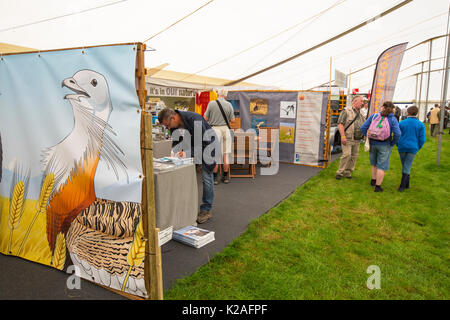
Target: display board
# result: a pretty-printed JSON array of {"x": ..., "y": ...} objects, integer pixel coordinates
[
  {"x": 300, "y": 116},
  {"x": 71, "y": 172}
]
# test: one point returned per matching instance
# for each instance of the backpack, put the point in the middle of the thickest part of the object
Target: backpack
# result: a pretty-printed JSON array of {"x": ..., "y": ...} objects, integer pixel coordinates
[{"x": 379, "y": 128}]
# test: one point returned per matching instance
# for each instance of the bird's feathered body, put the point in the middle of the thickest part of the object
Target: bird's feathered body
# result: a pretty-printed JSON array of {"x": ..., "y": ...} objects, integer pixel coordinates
[{"x": 74, "y": 160}]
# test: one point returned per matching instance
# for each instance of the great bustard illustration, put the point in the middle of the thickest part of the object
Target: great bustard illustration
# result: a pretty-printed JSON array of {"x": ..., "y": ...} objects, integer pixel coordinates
[{"x": 74, "y": 160}]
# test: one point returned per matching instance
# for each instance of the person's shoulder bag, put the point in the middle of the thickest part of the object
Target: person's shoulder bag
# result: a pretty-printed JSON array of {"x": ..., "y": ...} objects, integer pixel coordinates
[
  {"x": 354, "y": 119},
  {"x": 223, "y": 114}
]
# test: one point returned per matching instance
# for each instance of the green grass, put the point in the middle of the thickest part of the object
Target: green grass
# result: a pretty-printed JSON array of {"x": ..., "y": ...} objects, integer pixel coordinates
[{"x": 318, "y": 243}]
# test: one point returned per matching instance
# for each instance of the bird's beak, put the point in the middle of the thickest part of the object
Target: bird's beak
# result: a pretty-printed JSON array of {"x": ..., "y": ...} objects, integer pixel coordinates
[{"x": 72, "y": 85}]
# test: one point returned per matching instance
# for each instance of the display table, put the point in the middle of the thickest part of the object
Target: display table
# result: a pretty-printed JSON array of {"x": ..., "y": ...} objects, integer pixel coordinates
[
  {"x": 176, "y": 197},
  {"x": 162, "y": 148}
]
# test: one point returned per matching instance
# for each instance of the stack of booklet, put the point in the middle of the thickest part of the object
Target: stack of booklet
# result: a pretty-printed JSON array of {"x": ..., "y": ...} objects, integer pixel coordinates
[
  {"x": 159, "y": 166},
  {"x": 165, "y": 235},
  {"x": 174, "y": 160},
  {"x": 193, "y": 236}
]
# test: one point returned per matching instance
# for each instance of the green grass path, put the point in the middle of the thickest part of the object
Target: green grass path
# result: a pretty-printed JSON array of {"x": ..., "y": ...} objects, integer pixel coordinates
[{"x": 318, "y": 243}]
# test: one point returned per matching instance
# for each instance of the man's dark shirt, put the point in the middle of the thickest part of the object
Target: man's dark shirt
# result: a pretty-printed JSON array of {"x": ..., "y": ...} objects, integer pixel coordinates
[{"x": 189, "y": 119}]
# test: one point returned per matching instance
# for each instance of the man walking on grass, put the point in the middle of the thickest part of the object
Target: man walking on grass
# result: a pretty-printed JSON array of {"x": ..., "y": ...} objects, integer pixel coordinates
[
  {"x": 349, "y": 125},
  {"x": 435, "y": 118}
]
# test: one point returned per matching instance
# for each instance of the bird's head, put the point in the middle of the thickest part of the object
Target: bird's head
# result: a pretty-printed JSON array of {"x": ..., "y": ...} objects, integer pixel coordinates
[{"x": 90, "y": 86}]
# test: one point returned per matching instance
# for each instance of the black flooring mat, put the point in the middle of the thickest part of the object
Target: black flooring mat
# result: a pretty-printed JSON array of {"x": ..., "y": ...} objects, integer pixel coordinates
[{"x": 235, "y": 205}]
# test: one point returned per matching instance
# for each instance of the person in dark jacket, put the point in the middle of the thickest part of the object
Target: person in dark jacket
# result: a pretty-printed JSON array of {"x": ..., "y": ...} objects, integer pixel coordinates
[
  {"x": 412, "y": 139},
  {"x": 194, "y": 124},
  {"x": 380, "y": 151}
]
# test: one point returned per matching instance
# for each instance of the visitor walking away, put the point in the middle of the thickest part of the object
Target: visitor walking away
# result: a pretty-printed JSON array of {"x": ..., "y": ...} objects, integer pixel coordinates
[
  {"x": 174, "y": 119},
  {"x": 446, "y": 117},
  {"x": 411, "y": 141},
  {"x": 404, "y": 113},
  {"x": 435, "y": 118},
  {"x": 365, "y": 109},
  {"x": 219, "y": 114},
  {"x": 428, "y": 115},
  {"x": 349, "y": 125},
  {"x": 397, "y": 113},
  {"x": 383, "y": 132}
]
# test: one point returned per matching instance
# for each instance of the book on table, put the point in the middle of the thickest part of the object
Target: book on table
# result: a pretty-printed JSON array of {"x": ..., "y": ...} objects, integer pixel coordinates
[{"x": 194, "y": 236}]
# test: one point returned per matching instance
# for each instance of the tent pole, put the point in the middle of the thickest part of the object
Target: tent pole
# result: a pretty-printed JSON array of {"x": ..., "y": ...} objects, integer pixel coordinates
[
  {"x": 420, "y": 95},
  {"x": 417, "y": 85},
  {"x": 444, "y": 94},
  {"x": 349, "y": 82},
  {"x": 429, "y": 75},
  {"x": 327, "y": 144}
]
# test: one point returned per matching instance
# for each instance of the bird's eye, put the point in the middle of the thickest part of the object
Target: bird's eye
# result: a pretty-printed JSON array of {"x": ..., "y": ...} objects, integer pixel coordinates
[{"x": 94, "y": 82}]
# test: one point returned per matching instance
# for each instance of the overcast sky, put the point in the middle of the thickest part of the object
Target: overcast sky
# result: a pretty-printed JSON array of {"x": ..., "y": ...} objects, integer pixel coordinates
[{"x": 226, "y": 27}]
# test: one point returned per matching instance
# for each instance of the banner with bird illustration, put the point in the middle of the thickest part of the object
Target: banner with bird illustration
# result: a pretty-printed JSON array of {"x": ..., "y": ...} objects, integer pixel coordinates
[{"x": 71, "y": 175}]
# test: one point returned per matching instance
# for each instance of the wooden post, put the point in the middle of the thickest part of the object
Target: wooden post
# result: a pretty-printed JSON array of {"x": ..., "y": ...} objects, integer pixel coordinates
[
  {"x": 327, "y": 134},
  {"x": 152, "y": 261}
]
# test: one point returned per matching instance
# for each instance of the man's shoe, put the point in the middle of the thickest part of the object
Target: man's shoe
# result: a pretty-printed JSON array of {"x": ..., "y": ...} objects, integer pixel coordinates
[
  {"x": 373, "y": 182},
  {"x": 349, "y": 177},
  {"x": 216, "y": 179},
  {"x": 204, "y": 216},
  {"x": 407, "y": 181},
  {"x": 225, "y": 178},
  {"x": 338, "y": 177},
  {"x": 378, "y": 189}
]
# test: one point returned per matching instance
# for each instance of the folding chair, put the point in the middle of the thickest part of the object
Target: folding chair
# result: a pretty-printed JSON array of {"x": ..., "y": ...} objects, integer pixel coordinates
[{"x": 244, "y": 154}]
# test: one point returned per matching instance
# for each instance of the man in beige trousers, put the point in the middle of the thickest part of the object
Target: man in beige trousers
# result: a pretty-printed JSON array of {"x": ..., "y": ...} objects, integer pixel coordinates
[
  {"x": 349, "y": 125},
  {"x": 435, "y": 119}
]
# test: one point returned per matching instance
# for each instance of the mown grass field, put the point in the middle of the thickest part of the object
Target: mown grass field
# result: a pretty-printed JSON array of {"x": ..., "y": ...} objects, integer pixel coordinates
[{"x": 318, "y": 243}]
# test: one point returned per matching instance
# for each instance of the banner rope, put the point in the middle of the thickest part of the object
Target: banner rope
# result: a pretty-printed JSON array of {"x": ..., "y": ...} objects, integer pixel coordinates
[{"x": 179, "y": 20}]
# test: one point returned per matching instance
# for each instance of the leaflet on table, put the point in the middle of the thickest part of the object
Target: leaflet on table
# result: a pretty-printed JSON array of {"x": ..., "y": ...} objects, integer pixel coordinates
[
  {"x": 158, "y": 166},
  {"x": 176, "y": 161}
]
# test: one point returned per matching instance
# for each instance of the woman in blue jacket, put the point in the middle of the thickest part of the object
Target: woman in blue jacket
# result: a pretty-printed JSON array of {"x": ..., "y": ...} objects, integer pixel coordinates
[
  {"x": 412, "y": 140},
  {"x": 380, "y": 151}
]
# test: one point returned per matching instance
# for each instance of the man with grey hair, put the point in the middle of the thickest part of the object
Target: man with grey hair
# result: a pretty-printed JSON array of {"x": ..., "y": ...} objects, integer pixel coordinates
[
  {"x": 174, "y": 119},
  {"x": 349, "y": 125},
  {"x": 219, "y": 114}
]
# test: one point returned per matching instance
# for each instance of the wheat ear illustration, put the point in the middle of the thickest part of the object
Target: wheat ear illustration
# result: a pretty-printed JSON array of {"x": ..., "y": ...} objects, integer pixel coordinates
[
  {"x": 15, "y": 209},
  {"x": 46, "y": 190},
  {"x": 137, "y": 252},
  {"x": 59, "y": 257}
]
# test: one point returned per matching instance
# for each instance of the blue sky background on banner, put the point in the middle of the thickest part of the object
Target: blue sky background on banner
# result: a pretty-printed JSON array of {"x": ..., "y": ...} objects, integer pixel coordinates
[{"x": 34, "y": 114}]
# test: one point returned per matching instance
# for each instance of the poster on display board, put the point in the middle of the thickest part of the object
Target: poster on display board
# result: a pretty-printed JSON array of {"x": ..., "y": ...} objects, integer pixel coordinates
[
  {"x": 71, "y": 185},
  {"x": 311, "y": 127}
]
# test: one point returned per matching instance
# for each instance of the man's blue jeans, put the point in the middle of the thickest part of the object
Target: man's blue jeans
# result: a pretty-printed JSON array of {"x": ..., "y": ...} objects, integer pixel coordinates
[
  {"x": 407, "y": 159},
  {"x": 208, "y": 189}
]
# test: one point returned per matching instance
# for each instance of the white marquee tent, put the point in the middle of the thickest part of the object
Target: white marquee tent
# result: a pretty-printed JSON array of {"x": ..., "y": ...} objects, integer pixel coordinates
[{"x": 230, "y": 39}]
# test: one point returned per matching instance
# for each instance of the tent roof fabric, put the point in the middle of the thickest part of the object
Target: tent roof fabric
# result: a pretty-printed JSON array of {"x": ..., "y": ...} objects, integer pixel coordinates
[
  {"x": 11, "y": 48},
  {"x": 184, "y": 78}
]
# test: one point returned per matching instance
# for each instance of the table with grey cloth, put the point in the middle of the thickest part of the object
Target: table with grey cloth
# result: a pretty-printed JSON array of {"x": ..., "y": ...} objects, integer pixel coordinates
[
  {"x": 162, "y": 148},
  {"x": 176, "y": 197}
]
